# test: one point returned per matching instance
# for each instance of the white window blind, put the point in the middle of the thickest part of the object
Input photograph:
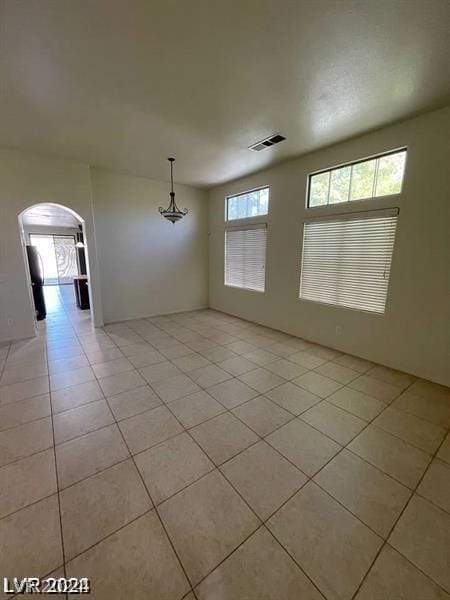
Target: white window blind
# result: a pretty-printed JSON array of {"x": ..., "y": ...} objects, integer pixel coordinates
[
  {"x": 245, "y": 258},
  {"x": 346, "y": 260}
]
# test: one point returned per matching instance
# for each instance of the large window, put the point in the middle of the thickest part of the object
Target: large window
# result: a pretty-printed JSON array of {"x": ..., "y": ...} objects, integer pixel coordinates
[
  {"x": 378, "y": 176},
  {"x": 58, "y": 257},
  {"x": 248, "y": 204},
  {"x": 346, "y": 259},
  {"x": 245, "y": 258}
]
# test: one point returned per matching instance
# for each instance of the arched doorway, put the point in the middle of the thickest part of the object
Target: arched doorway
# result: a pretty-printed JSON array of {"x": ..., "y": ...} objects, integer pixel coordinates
[{"x": 55, "y": 249}]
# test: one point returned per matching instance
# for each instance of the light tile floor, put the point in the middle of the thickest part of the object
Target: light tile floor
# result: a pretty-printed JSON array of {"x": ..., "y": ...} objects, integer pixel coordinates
[{"x": 198, "y": 455}]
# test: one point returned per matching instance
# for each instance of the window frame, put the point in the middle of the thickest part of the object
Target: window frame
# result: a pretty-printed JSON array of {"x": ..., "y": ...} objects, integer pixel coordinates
[
  {"x": 351, "y": 164},
  {"x": 349, "y": 216},
  {"x": 245, "y": 227},
  {"x": 251, "y": 218}
]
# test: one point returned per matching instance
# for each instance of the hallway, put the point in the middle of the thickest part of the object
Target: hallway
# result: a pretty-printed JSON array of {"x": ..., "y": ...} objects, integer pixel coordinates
[{"x": 196, "y": 451}]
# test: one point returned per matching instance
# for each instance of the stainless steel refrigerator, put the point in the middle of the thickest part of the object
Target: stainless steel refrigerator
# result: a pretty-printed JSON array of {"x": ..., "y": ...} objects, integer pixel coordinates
[{"x": 37, "y": 281}]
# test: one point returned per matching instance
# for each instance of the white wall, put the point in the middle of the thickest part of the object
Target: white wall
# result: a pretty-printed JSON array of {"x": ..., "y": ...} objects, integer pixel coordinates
[
  {"x": 26, "y": 180},
  {"x": 413, "y": 334},
  {"x": 148, "y": 266}
]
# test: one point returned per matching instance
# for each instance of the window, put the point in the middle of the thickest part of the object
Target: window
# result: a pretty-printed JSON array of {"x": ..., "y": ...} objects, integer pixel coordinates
[
  {"x": 249, "y": 204},
  {"x": 245, "y": 258},
  {"x": 378, "y": 176},
  {"x": 346, "y": 260}
]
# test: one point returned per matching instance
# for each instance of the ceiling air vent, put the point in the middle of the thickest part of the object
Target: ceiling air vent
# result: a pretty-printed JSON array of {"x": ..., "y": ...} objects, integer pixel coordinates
[{"x": 266, "y": 143}]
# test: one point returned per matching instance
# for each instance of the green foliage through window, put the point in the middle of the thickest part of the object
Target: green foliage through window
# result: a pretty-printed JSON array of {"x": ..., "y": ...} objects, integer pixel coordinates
[
  {"x": 249, "y": 204},
  {"x": 379, "y": 176}
]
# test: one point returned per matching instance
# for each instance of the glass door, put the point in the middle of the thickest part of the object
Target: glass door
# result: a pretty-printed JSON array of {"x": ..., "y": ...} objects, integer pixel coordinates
[{"x": 59, "y": 257}]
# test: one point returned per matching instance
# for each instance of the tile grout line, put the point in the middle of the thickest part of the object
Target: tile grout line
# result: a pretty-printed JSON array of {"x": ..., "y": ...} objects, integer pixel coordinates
[
  {"x": 395, "y": 524},
  {"x": 228, "y": 410}
]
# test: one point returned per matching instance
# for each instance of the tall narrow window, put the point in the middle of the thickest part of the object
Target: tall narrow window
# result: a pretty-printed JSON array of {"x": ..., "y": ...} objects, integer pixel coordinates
[
  {"x": 346, "y": 259},
  {"x": 245, "y": 258}
]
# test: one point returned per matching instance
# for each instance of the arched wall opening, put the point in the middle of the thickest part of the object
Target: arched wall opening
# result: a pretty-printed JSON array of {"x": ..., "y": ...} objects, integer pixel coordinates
[{"x": 56, "y": 220}]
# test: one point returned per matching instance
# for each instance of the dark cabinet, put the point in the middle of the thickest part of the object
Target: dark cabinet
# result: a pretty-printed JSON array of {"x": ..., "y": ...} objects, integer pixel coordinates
[{"x": 81, "y": 291}]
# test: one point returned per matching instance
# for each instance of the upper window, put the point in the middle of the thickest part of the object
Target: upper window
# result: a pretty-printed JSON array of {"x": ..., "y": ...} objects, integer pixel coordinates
[
  {"x": 249, "y": 204},
  {"x": 378, "y": 176}
]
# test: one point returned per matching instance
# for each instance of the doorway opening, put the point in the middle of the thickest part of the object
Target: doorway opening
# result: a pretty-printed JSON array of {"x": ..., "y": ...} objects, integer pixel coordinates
[{"x": 55, "y": 253}]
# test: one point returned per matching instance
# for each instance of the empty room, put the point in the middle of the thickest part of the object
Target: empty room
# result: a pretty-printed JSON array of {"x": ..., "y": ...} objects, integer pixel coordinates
[{"x": 225, "y": 299}]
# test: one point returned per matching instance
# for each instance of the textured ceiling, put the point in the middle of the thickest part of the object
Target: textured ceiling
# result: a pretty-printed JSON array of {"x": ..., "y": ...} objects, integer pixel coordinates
[
  {"x": 125, "y": 83},
  {"x": 51, "y": 215}
]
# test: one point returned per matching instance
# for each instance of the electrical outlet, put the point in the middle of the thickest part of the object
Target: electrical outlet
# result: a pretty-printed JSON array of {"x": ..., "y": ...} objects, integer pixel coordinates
[
  {"x": 10, "y": 322},
  {"x": 339, "y": 329}
]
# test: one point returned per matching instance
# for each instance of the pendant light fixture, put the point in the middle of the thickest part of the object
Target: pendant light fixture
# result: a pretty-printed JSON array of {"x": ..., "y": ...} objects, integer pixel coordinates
[{"x": 172, "y": 213}]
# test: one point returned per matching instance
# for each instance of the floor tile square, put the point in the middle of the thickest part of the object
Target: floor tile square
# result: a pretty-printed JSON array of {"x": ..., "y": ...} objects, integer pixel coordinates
[
  {"x": 262, "y": 415},
  {"x": 89, "y": 454},
  {"x": 303, "y": 445},
  {"x": 208, "y": 376},
  {"x": 411, "y": 429},
  {"x": 112, "y": 367},
  {"x": 149, "y": 428},
  {"x": 391, "y": 454},
  {"x": 59, "y": 381},
  {"x": 101, "y": 356},
  {"x": 223, "y": 436},
  {"x": 286, "y": 369},
  {"x": 231, "y": 393},
  {"x": 101, "y": 504},
  {"x": 331, "y": 545},
  {"x": 137, "y": 558},
  {"x": 26, "y": 481},
  {"x": 435, "y": 410},
  {"x": 386, "y": 392},
  {"x": 18, "y": 374},
  {"x": 430, "y": 390},
  {"x": 369, "y": 494},
  {"x": 133, "y": 402},
  {"x": 331, "y": 420},
  {"x": 67, "y": 364},
  {"x": 262, "y": 380},
  {"x": 189, "y": 362},
  {"x": 122, "y": 382},
  {"x": 435, "y": 486},
  {"x": 205, "y": 522},
  {"x": 159, "y": 372},
  {"x": 23, "y": 390},
  {"x": 317, "y": 384},
  {"x": 260, "y": 357},
  {"x": 25, "y": 440},
  {"x": 259, "y": 569},
  {"x": 337, "y": 372},
  {"x": 219, "y": 356},
  {"x": 175, "y": 387},
  {"x": 307, "y": 359},
  {"x": 263, "y": 477},
  {"x": 75, "y": 396},
  {"x": 34, "y": 541},
  {"x": 293, "y": 398},
  {"x": 444, "y": 450},
  {"x": 392, "y": 376},
  {"x": 422, "y": 535},
  {"x": 194, "y": 409},
  {"x": 354, "y": 362},
  {"x": 392, "y": 576},
  {"x": 83, "y": 419},
  {"x": 172, "y": 465},
  {"x": 24, "y": 411},
  {"x": 359, "y": 404},
  {"x": 146, "y": 358},
  {"x": 237, "y": 365},
  {"x": 176, "y": 351}
]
